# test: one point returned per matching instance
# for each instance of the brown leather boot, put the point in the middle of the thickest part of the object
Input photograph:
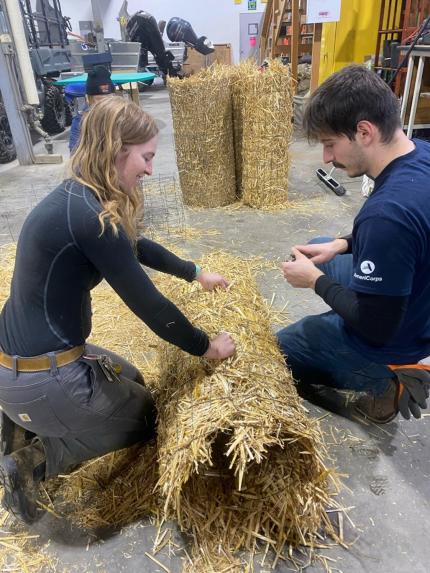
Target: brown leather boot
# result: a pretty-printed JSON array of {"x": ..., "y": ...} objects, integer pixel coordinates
[
  {"x": 380, "y": 409},
  {"x": 20, "y": 473}
]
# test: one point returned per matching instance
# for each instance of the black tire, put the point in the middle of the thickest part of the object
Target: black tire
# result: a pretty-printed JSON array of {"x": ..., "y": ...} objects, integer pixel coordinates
[
  {"x": 54, "y": 111},
  {"x": 7, "y": 146}
]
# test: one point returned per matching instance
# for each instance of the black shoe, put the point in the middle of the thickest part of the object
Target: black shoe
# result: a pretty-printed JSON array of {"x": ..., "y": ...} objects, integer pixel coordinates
[{"x": 20, "y": 473}]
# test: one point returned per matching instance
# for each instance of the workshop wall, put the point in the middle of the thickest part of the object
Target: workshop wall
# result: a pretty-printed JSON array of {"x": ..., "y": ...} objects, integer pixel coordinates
[{"x": 77, "y": 10}]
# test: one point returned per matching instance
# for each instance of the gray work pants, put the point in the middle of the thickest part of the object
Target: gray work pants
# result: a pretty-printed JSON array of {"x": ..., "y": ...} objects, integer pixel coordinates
[{"x": 76, "y": 412}]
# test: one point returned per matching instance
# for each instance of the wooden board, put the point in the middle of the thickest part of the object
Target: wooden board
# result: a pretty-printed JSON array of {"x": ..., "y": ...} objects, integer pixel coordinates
[
  {"x": 222, "y": 54},
  {"x": 196, "y": 61},
  {"x": 316, "y": 54}
]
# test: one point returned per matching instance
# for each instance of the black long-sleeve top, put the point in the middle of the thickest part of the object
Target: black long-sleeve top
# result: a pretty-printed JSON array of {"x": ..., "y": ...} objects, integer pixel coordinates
[
  {"x": 384, "y": 313},
  {"x": 359, "y": 310},
  {"x": 62, "y": 255}
]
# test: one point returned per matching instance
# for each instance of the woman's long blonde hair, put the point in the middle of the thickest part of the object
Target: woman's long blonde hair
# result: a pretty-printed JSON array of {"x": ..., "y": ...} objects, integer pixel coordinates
[{"x": 105, "y": 129}]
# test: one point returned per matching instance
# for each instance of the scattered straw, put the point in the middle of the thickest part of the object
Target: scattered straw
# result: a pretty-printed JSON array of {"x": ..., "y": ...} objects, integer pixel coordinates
[
  {"x": 163, "y": 567},
  {"x": 20, "y": 551},
  {"x": 187, "y": 233},
  {"x": 7, "y": 258},
  {"x": 117, "y": 328}
]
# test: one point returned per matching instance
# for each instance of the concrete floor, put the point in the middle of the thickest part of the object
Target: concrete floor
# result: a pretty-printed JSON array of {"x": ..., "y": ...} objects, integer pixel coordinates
[{"x": 387, "y": 469}]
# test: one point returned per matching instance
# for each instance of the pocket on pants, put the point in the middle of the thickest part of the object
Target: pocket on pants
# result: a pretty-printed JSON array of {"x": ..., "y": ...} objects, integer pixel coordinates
[{"x": 36, "y": 415}]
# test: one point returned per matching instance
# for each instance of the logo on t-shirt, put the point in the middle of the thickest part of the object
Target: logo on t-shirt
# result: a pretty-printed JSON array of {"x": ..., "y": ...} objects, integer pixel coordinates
[{"x": 367, "y": 267}]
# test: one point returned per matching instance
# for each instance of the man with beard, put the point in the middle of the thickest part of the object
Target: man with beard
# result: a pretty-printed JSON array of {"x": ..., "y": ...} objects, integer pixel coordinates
[{"x": 376, "y": 280}]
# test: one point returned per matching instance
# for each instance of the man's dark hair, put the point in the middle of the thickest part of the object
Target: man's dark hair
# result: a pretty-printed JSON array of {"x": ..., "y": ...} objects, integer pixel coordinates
[{"x": 351, "y": 95}]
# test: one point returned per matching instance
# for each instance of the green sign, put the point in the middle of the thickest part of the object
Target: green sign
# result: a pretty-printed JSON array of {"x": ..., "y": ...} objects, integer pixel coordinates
[{"x": 252, "y": 4}]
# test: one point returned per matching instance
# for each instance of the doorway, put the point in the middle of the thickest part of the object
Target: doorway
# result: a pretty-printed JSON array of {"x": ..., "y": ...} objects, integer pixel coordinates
[{"x": 250, "y": 23}]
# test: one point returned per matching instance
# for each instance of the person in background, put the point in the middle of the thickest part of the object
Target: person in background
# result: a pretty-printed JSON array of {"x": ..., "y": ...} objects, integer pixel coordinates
[
  {"x": 97, "y": 87},
  {"x": 79, "y": 400},
  {"x": 376, "y": 280}
]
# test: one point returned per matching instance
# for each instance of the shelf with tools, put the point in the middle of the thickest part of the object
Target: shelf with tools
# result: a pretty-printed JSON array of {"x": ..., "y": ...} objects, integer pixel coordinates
[
  {"x": 400, "y": 23},
  {"x": 399, "y": 20},
  {"x": 286, "y": 33}
]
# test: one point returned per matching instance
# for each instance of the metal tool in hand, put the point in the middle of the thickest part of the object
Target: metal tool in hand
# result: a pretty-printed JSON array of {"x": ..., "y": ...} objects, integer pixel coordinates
[{"x": 293, "y": 258}]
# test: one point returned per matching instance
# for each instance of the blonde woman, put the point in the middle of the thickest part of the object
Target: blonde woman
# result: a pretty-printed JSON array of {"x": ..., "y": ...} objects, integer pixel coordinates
[{"x": 79, "y": 400}]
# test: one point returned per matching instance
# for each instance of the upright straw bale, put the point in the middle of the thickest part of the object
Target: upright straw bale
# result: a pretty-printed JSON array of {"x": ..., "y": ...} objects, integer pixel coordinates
[
  {"x": 239, "y": 458},
  {"x": 236, "y": 74},
  {"x": 203, "y": 127},
  {"x": 267, "y": 110}
]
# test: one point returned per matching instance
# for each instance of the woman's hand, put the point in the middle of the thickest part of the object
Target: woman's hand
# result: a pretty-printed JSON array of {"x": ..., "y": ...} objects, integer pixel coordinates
[
  {"x": 323, "y": 252},
  {"x": 220, "y": 347},
  {"x": 209, "y": 281}
]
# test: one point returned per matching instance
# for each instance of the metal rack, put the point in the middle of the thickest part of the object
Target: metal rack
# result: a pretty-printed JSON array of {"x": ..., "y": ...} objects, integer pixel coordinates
[
  {"x": 420, "y": 90},
  {"x": 398, "y": 21}
]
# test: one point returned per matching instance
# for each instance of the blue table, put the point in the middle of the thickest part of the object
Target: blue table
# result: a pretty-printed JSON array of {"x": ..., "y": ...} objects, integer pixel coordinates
[
  {"x": 126, "y": 78},
  {"x": 117, "y": 79}
]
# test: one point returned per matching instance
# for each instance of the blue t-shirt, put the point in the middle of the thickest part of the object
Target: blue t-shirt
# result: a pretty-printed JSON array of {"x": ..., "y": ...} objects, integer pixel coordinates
[{"x": 391, "y": 253}]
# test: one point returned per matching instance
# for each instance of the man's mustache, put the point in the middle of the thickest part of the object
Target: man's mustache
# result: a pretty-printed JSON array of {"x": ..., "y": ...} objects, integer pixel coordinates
[{"x": 338, "y": 165}]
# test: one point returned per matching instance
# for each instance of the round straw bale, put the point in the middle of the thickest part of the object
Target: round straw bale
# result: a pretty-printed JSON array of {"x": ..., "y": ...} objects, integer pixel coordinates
[
  {"x": 203, "y": 126},
  {"x": 239, "y": 458},
  {"x": 237, "y": 73},
  {"x": 266, "y": 103}
]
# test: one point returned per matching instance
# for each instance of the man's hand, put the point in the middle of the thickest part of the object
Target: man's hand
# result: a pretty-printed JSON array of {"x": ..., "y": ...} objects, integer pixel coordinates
[
  {"x": 220, "y": 347},
  {"x": 323, "y": 252},
  {"x": 209, "y": 281},
  {"x": 300, "y": 273}
]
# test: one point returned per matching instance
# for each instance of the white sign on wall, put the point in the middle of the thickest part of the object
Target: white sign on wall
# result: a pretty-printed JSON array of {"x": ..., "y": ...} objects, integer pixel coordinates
[{"x": 320, "y": 11}]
